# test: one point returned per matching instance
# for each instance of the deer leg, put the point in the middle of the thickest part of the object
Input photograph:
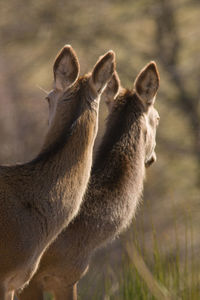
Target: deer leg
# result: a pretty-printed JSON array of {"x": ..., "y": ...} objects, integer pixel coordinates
[
  {"x": 31, "y": 292},
  {"x": 66, "y": 293}
]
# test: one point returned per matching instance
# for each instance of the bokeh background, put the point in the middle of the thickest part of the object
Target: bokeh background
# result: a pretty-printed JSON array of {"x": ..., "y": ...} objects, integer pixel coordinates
[{"x": 167, "y": 225}]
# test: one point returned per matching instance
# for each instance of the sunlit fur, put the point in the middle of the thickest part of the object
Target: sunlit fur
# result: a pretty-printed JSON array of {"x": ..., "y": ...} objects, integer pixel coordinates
[{"x": 112, "y": 196}]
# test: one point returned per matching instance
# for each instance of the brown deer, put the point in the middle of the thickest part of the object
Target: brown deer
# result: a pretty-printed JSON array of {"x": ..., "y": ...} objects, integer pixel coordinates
[
  {"x": 114, "y": 188},
  {"x": 39, "y": 198}
]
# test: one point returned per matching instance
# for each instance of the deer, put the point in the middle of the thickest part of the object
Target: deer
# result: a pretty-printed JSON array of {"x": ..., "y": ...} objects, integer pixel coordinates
[
  {"x": 114, "y": 190},
  {"x": 39, "y": 198}
]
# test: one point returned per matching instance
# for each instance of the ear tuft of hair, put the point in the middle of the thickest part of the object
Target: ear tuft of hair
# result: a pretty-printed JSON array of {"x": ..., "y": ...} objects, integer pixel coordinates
[{"x": 147, "y": 83}]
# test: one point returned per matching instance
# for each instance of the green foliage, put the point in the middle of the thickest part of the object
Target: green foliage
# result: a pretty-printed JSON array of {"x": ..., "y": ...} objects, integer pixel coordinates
[{"x": 182, "y": 281}]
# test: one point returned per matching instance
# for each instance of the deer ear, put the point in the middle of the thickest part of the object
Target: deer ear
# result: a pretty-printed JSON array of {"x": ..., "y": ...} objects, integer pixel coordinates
[
  {"x": 147, "y": 83},
  {"x": 66, "y": 68},
  {"x": 103, "y": 71},
  {"x": 111, "y": 90}
]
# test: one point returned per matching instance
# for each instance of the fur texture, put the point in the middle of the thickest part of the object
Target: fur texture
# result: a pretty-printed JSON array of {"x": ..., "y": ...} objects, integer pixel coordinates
[{"x": 113, "y": 193}]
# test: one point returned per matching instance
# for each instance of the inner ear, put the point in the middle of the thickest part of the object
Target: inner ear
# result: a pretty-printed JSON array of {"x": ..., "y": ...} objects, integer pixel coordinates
[
  {"x": 147, "y": 83},
  {"x": 103, "y": 71},
  {"x": 66, "y": 68},
  {"x": 111, "y": 91}
]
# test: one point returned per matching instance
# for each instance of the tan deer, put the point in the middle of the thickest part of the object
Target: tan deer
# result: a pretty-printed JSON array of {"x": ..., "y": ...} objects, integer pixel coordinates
[
  {"x": 39, "y": 198},
  {"x": 114, "y": 188}
]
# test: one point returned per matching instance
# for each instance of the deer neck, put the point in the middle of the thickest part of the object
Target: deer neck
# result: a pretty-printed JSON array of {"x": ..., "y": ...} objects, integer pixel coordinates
[
  {"x": 56, "y": 179},
  {"x": 121, "y": 156},
  {"x": 67, "y": 159},
  {"x": 115, "y": 186}
]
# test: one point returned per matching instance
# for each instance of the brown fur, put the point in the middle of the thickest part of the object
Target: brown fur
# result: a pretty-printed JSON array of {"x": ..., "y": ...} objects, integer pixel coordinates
[
  {"x": 39, "y": 198},
  {"x": 111, "y": 198}
]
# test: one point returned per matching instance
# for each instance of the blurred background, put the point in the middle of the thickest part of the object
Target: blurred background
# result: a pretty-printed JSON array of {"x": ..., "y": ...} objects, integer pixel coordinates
[{"x": 166, "y": 228}]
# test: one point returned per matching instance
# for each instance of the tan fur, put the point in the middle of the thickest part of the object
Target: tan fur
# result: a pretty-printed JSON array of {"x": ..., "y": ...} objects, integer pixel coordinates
[
  {"x": 39, "y": 198},
  {"x": 112, "y": 195}
]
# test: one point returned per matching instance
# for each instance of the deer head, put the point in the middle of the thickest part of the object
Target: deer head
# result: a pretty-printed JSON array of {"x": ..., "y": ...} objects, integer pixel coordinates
[
  {"x": 146, "y": 86},
  {"x": 67, "y": 82}
]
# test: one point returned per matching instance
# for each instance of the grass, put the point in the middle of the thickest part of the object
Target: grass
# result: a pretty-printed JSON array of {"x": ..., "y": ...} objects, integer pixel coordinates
[{"x": 166, "y": 278}]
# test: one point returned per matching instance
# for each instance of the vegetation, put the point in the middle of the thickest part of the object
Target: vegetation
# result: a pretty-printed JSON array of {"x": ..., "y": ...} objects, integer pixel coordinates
[
  {"x": 142, "y": 277},
  {"x": 166, "y": 227}
]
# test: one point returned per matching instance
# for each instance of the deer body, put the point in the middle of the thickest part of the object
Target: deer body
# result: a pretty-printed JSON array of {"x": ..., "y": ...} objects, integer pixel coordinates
[
  {"x": 113, "y": 192},
  {"x": 39, "y": 198}
]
